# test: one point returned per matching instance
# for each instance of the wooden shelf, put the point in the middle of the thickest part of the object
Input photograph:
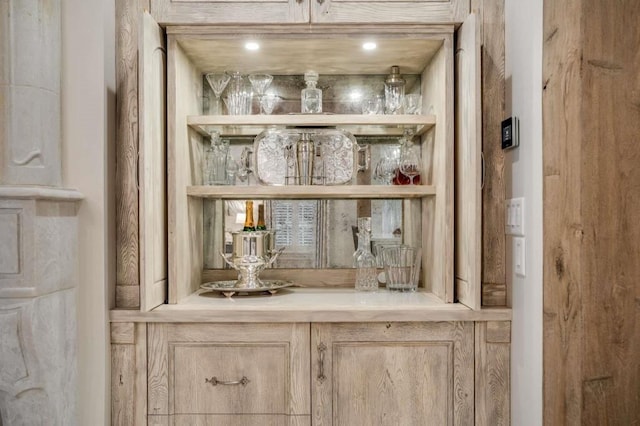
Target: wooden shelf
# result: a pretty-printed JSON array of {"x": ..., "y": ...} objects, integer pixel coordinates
[
  {"x": 312, "y": 192},
  {"x": 356, "y": 124}
]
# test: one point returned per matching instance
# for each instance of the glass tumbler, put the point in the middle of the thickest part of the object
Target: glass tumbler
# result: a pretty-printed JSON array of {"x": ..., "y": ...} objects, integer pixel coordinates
[{"x": 402, "y": 267}]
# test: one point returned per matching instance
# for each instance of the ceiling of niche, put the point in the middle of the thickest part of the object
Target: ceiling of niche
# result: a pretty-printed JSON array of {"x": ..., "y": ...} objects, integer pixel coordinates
[{"x": 287, "y": 56}]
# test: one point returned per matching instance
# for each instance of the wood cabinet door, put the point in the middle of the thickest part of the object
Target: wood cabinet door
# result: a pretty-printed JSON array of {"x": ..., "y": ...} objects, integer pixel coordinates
[
  {"x": 188, "y": 12},
  {"x": 392, "y": 374},
  {"x": 152, "y": 149},
  {"x": 392, "y": 11},
  {"x": 468, "y": 165}
]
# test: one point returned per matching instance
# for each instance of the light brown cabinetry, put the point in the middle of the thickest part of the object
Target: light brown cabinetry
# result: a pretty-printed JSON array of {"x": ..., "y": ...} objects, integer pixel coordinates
[
  {"x": 304, "y": 11},
  {"x": 302, "y": 373},
  {"x": 392, "y": 373},
  {"x": 295, "y": 374},
  {"x": 209, "y": 373}
]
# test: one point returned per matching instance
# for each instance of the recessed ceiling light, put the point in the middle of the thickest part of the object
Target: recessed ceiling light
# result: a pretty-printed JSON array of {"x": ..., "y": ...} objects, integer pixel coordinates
[
  {"x": 369, "y": 45},
  {"x": 251, "y": 45}
]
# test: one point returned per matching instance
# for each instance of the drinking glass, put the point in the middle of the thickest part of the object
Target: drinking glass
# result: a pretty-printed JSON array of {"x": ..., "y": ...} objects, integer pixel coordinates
[
  {"x": 260, "y": 82},
  {"x": 386, "y": 169},
  {"x": 372, "y": 105},
  {"x": 410, "y": 162},
  {"x": 218, "y": 82},
  {"x": 412, "y": 103},
  {"x": 268, "y": 102},
  {"x": 239, "y": 95},
  {"x": 402, "y": 267}
]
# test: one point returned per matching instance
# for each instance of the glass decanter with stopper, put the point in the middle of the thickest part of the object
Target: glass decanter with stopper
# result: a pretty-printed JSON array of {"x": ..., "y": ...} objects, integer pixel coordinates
[
  {"x": 364, "y": 260},
  {"x": 311, "y": 96},
  {"x": 215, "y": 160}
]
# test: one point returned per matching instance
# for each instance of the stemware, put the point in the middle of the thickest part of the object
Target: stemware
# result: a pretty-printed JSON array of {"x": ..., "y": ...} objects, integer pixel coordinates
[
  {"x": 386, "y": 169},
  {"x": 218, "y": 82},
  {"x": 410, "y": 162},
  {"x": 260, "y": 82}
]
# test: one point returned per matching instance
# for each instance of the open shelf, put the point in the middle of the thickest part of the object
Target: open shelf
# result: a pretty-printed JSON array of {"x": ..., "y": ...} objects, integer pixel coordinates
[
  {"x": 312, "y": 192},
  {"x": 356, "y": 124}
]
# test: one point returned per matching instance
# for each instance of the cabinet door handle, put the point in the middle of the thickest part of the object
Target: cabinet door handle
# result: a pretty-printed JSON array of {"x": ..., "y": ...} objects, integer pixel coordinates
[
  {"x": 215, "y": 382},
  {"x": 321, "y": 350},
  {"x": 320, "y": 1}
]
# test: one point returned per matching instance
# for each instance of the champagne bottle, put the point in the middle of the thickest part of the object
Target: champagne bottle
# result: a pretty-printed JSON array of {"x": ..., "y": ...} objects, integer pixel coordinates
[
  {"x": 261, "y": 225},
  {"x": 248, "y": 221}
]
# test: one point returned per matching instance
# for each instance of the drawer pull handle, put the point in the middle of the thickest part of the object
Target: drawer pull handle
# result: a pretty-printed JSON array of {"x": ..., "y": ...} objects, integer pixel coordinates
[
  {"x": 321, "y": 350},
  {"x": 215, "y": 382}
]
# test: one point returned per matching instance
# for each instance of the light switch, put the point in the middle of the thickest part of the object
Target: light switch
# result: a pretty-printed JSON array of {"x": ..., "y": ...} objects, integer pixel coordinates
[
  {"x": 514, "y": 220},
  {"x": 519, "y": 256}
]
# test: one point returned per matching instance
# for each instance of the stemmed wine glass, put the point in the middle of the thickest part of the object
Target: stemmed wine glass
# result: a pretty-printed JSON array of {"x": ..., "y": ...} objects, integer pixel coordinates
[
  {"x": 260, "y": 82},
  {"x": 218, "y": 82},
  {"x": 386, "y": 169},
  {"x": 410, "y": 161}
]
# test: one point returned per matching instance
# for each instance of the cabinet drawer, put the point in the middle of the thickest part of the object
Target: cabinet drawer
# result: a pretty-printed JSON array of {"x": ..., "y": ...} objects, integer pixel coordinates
[
  {"x": 190, "y": 367},
  {"x": 230, "y": 377}
]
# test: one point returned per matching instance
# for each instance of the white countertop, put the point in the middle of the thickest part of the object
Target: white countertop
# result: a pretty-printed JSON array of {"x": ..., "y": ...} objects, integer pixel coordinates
[{"x": 312, "y": 305}]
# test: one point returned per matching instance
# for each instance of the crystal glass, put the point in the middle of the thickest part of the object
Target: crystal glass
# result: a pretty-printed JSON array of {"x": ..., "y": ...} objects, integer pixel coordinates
[
  {"x": 373, "y": 105},
  {"x": 402, "y": 267},
  {"x": 215, "y": 161},
  {"x": 386, "y": 169},
  {"x": 311, "y": 96},
  {"x": 239, "y": 95},
  {"x": 268, "y": 103},
  {"x": 364, "y": 260},
  {"x": 412, "y": 103},
  {"x": 410, "y": 161},
  {"x": 218, "y": 82},
  {"x": 260, "y": 82}
]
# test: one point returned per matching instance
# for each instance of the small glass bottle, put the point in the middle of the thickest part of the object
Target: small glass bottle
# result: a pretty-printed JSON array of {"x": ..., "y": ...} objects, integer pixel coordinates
[
  {"x": 365, "y": 261},
  {"x": 311, "y": 96},
  {"x": 261, "y": 226},
  {"x": 248, "y": 219},
  {"x": 394, "y": 91}
]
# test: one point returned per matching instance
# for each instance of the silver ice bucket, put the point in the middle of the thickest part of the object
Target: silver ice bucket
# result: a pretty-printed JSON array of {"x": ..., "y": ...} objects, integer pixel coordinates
[{"x": 252, "y": 251}]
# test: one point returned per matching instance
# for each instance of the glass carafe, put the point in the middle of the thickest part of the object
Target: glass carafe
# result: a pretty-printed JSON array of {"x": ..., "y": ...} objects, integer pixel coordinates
[
  {"x": 365, "y": 261},
  {"x": 311, "y": 96},
  {"x": 215, "y": 161}
]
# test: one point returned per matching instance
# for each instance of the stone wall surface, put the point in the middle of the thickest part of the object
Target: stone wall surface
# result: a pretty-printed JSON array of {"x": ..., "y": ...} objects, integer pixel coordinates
[{"x": 30, "y": 55}]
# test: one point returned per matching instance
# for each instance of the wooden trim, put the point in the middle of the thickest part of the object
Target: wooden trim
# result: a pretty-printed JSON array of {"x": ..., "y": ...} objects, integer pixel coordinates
[
  {"x": 492, "y": 373},
  {"x": 123, "y": 333},
  {"x": 128, "y": 377},
  {"x": 293, "y": 30}
]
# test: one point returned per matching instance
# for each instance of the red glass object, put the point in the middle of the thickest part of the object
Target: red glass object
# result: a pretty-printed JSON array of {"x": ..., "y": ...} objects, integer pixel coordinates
[{"x": 401, "y": 179}]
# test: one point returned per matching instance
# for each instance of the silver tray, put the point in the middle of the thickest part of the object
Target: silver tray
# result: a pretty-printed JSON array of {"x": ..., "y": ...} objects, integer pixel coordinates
[
  {"x": 338, "y": 151},
  {"x": 228, "y": 287}
]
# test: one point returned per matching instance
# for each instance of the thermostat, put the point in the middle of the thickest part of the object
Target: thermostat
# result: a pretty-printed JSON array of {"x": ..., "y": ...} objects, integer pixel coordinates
[{"x": 510, "y": 133}]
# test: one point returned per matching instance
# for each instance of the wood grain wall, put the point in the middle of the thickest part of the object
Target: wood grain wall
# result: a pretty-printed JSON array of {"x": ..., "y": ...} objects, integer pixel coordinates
[{"x": 591, "y": 149}]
